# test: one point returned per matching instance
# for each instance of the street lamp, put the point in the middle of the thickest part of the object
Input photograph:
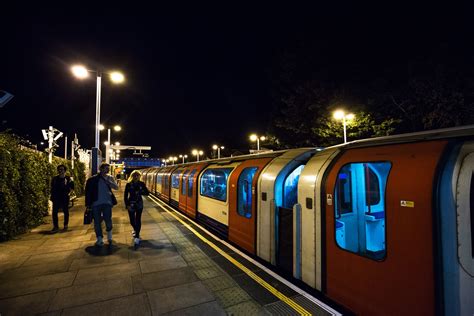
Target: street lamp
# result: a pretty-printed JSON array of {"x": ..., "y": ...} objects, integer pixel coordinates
[
  {"x": 341, "y": 115},
  {"x": 183, "y": 157},
  {"x": 82, "y": 72},
  {"x": 197, "y": 153},
  {"x": 117, "y": 128},
  {"x": 218, "y": 148},
  {"x": 255, "y": 137}
]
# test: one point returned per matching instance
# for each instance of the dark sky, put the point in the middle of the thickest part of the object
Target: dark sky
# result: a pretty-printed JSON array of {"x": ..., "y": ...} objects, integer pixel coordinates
[{"x": 196, "y": 75}]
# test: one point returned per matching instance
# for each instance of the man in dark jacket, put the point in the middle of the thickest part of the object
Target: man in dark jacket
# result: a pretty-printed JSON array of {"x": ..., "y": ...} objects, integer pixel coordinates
[
  {"x": 61, "y": 186},
  {"x": 100, "y": 199}
]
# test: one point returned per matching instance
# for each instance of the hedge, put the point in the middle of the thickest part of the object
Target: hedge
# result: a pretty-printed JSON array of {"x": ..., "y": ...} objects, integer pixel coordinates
[{"x": 25, "y": 177}]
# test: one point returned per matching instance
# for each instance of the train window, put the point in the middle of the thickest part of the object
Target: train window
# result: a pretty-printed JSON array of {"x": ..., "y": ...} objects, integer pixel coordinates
[
  {"x": 158, "y": 178},
  {"x": 183, "y": 182},
  {"x": 245, "y": 192},
  {"x": 175, "y": 178},
  {"x": 290, "y": 188},
  {"x": 190, "y": 182},
  {"x": 214, "y": 183},
  {"x": 360, "y": 208}
]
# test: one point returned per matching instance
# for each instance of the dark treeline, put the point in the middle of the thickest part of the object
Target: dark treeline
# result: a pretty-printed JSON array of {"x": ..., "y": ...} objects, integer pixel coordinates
[{"x": 403, "y": 78}]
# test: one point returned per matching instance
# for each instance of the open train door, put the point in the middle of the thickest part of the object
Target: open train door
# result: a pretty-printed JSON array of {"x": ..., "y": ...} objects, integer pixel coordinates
[
  {"x": 379, "y": 228},
  {"x": 243, "y": 202}
]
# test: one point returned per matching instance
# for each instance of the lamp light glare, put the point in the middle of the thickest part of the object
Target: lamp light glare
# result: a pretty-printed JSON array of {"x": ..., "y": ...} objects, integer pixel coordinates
[
  {"x": 117, "y": 77},
  {"x": 79, "y": 71}
]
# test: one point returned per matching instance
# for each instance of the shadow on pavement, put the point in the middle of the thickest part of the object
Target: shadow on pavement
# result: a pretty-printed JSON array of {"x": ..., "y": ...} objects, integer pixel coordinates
[
  {"x": 105, "y": 250},
  {"x": 151, "y": 244}
]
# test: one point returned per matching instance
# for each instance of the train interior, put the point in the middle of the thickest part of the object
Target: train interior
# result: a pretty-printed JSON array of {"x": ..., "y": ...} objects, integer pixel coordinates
[{"x": 360, "y": 208}]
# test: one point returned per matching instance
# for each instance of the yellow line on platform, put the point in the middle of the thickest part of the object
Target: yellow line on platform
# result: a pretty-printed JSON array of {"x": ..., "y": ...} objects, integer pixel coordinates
[{"x": 298, "y": 308}]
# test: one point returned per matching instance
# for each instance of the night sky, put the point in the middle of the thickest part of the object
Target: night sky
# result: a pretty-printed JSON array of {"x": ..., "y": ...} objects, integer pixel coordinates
[{"x": 198, "y": 75}]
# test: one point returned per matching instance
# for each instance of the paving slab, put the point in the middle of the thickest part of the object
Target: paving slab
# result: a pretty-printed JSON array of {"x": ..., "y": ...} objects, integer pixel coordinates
[
  {"x": 111, "y": 272},
  {"x": 31, "y": 304},
  {"x": 210, "y": 308},
  {"x": 158, "y": 280},
  {"x": 167, "y": 263},
  {"x": 172, "y": 298},
  {"x": 91, "y": 293},
  {"x": 29, "y": 271},
  {"x": 13, "y": 288},
  {"x": 128, "y": 305}
]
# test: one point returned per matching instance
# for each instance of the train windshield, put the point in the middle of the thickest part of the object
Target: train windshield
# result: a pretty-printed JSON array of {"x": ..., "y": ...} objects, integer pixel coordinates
[{"x": 360, "y": 208}]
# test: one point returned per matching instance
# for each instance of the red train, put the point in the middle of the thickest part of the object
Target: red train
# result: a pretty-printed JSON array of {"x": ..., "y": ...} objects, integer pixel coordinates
[{"x": 381, "y": 226}]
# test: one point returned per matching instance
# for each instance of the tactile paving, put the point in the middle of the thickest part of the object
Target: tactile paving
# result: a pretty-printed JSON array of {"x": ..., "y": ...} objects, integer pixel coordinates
[
  {"x": 246, "y": 309},
  {"x": 231, "y": 296},
  {"x": 219, "y": 283},
  {"x": 208, "y": 273}
]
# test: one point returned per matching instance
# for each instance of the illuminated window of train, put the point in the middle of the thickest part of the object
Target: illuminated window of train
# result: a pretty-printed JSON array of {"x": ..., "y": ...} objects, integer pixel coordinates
[
  {"x": 290, "y": 188},
  {"x": 183, "y": 183},
  {"x": 175, "y": 178},
  {"x": 190, "y": 182},
  {"x": 214, "y": 183},
  {"x": 244, "y": 192},
  {"x": 159, "y": 178},
  {"x": 360, "y": 208}
]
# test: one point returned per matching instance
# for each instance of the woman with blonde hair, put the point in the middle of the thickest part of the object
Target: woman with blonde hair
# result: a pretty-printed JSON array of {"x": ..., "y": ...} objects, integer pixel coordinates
[{"x": 134, "y": 203}]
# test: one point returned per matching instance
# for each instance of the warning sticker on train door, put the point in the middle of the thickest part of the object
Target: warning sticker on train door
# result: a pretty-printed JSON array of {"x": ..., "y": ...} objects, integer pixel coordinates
[
  {"x": 329, "y": 199},
  {"x": 404, "y": 203}
]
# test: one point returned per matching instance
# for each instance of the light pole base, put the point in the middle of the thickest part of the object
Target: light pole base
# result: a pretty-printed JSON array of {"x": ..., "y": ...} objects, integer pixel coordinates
[{"x": 96, "y": 160}]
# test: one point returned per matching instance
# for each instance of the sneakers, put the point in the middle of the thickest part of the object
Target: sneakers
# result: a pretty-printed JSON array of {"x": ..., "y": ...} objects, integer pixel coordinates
[
  {"x": 133, "y": 233},
  {"x": 65, "y": 228},
  {"x": 136, "y": 241},
  {"x": 55, "y": 230},
  {"x": 99, "y": 241},
  {"x": 109, "y": 236}
]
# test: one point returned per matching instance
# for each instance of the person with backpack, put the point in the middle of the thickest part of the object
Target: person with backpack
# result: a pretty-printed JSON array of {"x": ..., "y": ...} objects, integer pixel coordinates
[{"x": 61, "y": 186}]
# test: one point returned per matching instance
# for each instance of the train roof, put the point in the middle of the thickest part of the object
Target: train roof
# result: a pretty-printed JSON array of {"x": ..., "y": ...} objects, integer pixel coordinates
[{"x": 444, "y": 133}]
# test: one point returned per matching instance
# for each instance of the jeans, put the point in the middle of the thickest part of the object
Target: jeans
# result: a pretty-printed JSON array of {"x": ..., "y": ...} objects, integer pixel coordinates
[
  {"x": 56, "y": 208},
  {"x": 136, "y": 220},
  {"x": 102, "y": 211}
]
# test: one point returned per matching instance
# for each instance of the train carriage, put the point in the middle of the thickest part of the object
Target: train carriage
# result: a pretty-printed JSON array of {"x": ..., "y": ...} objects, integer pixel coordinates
[{"x": 381, "y": 226}]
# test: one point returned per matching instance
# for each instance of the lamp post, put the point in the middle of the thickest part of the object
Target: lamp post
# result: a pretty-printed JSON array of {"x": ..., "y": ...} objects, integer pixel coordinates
[
  {"x": 197, "y": 153},
  {"x": 183, "y": 157},
  {"x": 82, "y": 72},
  {"x": 255, "y": 137},
  {"x": 340, "y": 114},
  {"x": 218, "y": 148},
  {"x": 117, "y": 128}
]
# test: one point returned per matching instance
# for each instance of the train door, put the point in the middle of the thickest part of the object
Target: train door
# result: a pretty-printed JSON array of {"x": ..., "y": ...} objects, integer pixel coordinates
[
  {"x": 465, "y": 235},
  {"x": 183, "y": 194},
  {"x": 174, "y": 191},
  {"x": 284, "y": 220},
  {"x": 192, "y": 189},
  {"x": 379, "y": 228},
  {"x": 243, "y": 201}
]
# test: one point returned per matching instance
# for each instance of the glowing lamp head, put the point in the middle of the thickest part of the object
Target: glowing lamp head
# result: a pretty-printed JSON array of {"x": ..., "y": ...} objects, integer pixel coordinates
[
  {"x": 214, "y": 147},
  {"x": 117, "y": 128},
  {"x": 79, "y": 71},
  {"x": 350, "y": 116},
  {"x": 101, "y": 127},
  {"x": 253, "y": 137},
  {"x": 339, "y": 114},
  {"x": 117, "y": 77},
  {"x": 194, "y": 152}
]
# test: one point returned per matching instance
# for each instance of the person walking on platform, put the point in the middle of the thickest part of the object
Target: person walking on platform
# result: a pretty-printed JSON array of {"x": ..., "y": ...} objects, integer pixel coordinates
[
  {"x": 134, "y": 203},
  {"x": 61, "y": 186},
  {"x": 100, "y": 198}
]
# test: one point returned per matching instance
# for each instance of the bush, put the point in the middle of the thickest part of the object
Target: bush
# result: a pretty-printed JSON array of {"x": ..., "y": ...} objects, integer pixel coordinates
[{"x": 25, "y": 178}]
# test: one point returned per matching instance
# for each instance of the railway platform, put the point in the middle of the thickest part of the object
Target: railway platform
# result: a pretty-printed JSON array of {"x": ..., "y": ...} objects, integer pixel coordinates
[{"x": 179, "y": 269}]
